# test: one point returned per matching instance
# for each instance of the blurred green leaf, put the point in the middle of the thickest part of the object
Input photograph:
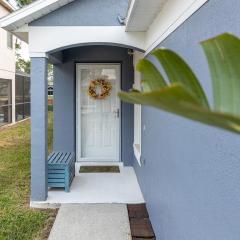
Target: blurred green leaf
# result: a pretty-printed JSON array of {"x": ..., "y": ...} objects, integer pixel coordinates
[
  {"x": 223, "y": 54},
  {"x": 152, "y": 77},
  {"x": 178, "y": 71},
  {"x": 185, "y": 96},
  {"x": 176, "y": 99}
]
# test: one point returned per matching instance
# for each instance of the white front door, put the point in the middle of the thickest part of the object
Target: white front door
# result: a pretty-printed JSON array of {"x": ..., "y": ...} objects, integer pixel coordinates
[{"x": 98, "y": 120}]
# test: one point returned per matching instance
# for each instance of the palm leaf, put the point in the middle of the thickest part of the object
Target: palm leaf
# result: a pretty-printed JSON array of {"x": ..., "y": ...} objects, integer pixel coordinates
[
  {"x": 178, "y": 71},
  {"x": 185, "y": 96},
  {"x": 223, "y": 54},
  {"x": 152, "y": 77},
  {"x": 176, "y": 99}
]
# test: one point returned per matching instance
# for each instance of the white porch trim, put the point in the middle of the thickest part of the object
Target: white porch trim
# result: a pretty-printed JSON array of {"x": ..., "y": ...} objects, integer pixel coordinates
[
  {"x": 173, "y": 15},
  {"x": 163, "y": 17},
  {"x": 38, "y": 55},
  {"x": 135, "y": 21},
  {"x": 62, "y": 36}
]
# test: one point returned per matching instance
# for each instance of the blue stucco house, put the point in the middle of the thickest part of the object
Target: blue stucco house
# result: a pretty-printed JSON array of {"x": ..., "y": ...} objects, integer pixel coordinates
[{"x": 188, "y": 173}]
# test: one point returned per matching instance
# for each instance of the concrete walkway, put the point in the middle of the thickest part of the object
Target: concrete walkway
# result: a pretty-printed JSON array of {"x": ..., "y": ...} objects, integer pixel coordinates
[{"x": 91, "y": 222}]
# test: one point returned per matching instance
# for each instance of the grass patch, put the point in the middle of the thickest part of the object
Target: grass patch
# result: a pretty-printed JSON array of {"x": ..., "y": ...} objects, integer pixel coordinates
[
  {"x": 17, "y": 220},
  {"x": 50, "y": 108}
]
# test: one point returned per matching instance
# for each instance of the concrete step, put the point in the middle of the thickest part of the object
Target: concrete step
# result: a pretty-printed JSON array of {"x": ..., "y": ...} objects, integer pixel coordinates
[{"x": 91, "y": 222}]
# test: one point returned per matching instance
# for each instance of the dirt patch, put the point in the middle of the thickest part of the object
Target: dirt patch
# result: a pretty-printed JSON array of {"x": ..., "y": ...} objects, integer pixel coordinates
[
  {"x": 2, "y": 168},
  {"x": 45, "y": 232},
  {"x": 4, "y": 144}
]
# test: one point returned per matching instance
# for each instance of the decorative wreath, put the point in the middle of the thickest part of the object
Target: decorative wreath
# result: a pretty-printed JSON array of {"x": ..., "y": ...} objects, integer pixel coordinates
[{"x": 105, "y": 86}]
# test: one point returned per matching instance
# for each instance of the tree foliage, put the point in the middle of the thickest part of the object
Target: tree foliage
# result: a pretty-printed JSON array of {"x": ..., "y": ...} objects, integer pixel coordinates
[
  {"x": 24, "y": 2},
  {"x": 22, "y": 65}
]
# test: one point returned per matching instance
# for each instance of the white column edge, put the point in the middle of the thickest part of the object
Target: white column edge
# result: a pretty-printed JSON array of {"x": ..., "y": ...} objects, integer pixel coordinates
[
  {"x": 14, "y": 99},
  {"x": 38, "y": 55}
]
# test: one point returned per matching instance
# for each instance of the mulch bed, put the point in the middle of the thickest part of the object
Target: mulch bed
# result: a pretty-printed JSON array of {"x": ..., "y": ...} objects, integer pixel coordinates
[{"x": 140, "y": 224}]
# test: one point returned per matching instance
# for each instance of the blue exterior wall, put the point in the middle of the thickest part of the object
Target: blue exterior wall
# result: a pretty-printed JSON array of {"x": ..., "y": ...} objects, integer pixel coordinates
[
  {"x": 65, "y": 96},
  {"x": 86, "y": 13},
  {"x": 191, "y": 176}
]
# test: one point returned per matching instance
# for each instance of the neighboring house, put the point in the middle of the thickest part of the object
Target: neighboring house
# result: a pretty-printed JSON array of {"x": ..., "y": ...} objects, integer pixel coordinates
[
  {"x": 188, "y": 172},
  {"x": 14, "y": 89}
]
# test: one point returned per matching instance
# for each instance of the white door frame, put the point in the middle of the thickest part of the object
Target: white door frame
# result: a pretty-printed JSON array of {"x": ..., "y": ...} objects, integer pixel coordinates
[{"x": 80, "y": 66}]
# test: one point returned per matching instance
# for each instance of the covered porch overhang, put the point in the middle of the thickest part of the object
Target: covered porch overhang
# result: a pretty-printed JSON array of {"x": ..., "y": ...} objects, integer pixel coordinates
[
  {"x": 68, "y": 37},
  {"x": 84, "y": 186}
]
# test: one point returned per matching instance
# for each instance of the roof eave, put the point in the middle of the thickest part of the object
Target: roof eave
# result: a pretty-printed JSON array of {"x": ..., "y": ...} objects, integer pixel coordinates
[
  {"x": 30, "y": 13},
  {"x": 139, "y": 8}
]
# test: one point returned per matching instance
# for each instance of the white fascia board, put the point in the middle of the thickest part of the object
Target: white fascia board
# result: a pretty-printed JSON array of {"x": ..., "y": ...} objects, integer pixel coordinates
[
  {"x": 142, "y": 13},
  {"x": 23, "y": 36},
  {"x": 131, "y": 12},
  {"x": 173, "y": 14},
  {"x": 24, "y": 28},
  {"x": 38, "y": 55},
  {"x": 47, "y": 39},
  {"x": 170, "y": 15},
  {"x": 29, "y": 13},
  {"x": 22, "y": 33}
]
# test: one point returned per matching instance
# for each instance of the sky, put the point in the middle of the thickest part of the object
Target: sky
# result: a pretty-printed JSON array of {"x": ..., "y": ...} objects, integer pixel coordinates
[{"x": 24, "y": 52}]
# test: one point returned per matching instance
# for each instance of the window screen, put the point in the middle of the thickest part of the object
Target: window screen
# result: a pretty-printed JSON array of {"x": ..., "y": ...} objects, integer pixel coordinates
[
  {"x": 22, "y": 89},
  {"x": 5, "y": 101}
]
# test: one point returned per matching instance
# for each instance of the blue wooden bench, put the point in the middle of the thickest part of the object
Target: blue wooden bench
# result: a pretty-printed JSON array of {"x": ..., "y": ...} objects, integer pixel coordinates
[{"x": 61, "y": 169}]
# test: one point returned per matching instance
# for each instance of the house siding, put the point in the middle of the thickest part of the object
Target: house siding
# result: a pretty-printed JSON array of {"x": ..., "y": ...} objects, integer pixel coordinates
[
  {"x": 65, "y": 96},
  {"x": 190, "y": 174},
  {"x": 86, "y": 13}
]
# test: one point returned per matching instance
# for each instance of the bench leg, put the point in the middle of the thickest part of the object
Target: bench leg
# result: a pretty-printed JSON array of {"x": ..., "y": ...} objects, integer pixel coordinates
[
  {"x": 67, "y": 183},
  {"x": 67, "y": 189}
]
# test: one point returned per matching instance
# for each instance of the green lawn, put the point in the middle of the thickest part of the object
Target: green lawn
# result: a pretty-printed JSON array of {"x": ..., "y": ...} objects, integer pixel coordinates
[{"x": 17, "y": 220}]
